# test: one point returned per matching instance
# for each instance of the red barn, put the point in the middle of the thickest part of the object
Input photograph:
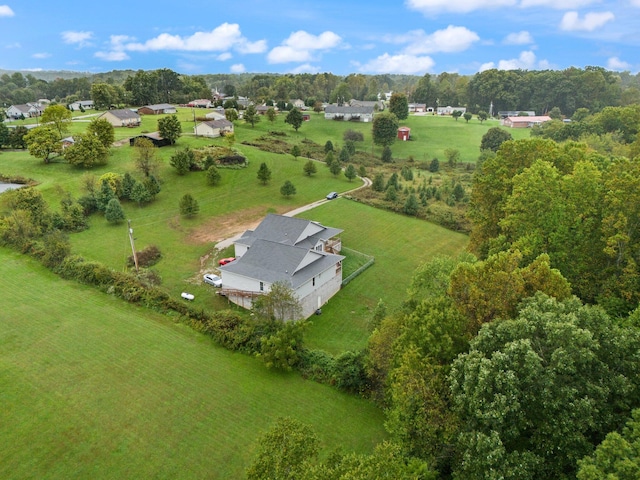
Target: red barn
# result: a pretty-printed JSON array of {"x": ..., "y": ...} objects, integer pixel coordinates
[{"x": 404, "y": 133}]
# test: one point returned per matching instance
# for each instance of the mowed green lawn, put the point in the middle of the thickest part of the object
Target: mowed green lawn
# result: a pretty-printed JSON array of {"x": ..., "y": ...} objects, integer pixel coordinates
[
  {"x": 92, "y": 387},
  {"x": 399, "y": 244}
]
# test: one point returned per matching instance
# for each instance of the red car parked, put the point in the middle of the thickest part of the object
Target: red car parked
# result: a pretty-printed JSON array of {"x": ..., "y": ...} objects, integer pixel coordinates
[{"x": 224, "y": 261}]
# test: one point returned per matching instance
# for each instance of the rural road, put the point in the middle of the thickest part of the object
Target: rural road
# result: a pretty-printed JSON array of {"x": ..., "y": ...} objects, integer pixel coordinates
[{"x": 229, "y": 241}]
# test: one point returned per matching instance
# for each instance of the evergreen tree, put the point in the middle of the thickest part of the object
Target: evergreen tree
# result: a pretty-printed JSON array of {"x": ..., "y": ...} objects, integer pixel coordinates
[
  {"x": 188, "y": 205},
  {"x": 411, "y": 205},
  {"x": 328, "y": 147},
  {"x": 264, "y": 174},
  {"x": 295, "y": 152},
  {"x": 310, "y": 168},
  {"x": 105, "y": 194},
  {"x": 127, "y": 185},
  {"x": 114, "y": 212},
  {"x": 140, "y": 194},
  {"x": 287, "y": 189},
  {"x": 378, "y": 182},
  {"x": 213, "y": 175},
  {"x": 335, "y": 168},
  {"x": 152, "y": 185},
  {"x": 350, "y": 172},
  {"x": 344, "y": 156}
]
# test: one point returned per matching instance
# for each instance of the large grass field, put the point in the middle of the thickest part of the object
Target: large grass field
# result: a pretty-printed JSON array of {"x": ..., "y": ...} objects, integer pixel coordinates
[
  {"x": 92, "y": 387},
  {"x": 399, "y": 244}
]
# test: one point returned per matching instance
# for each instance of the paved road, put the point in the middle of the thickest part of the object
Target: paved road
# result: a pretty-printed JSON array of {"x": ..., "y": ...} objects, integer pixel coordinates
[{"x": 229, "y": 241}]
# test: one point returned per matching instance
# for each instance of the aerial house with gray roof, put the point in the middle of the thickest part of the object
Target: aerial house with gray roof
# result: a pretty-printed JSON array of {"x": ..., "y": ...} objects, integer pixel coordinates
[{"x": 300, "y": 253}]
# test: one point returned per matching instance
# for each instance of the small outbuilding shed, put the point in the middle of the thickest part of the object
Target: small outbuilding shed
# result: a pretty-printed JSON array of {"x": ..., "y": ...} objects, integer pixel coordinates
[
  {"x": 154, "y": 137},
  {"x": 404, "y": 133}
]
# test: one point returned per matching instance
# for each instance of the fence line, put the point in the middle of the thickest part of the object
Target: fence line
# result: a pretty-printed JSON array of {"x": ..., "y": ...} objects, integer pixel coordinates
[{"x": 359, "y": 270}]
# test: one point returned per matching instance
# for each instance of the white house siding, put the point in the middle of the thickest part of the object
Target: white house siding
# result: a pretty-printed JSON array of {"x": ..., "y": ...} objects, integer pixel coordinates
[
  {"x": 203, "y": 130},
  {"x": 324, "y": 292},
  {"x": 328, "y": 283}
]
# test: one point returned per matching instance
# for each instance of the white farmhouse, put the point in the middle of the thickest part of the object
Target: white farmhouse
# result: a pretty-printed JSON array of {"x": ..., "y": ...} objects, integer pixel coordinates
[{"x": 299, "y": 253}]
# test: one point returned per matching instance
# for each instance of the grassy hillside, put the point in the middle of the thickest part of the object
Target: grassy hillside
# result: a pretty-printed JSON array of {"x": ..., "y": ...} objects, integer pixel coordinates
[
  {"x": 92, "y": 387},
  {"x": 398, "y": 243}
]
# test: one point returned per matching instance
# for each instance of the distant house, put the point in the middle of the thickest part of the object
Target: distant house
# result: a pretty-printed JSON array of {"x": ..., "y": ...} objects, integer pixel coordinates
[
  {"x": 404, "y": 133},
  {"x": 417, "y": 108},
  {"x": 262, "y": 109},
  {"x": 450, "y": 110},
  {"x": 215, "y": 116},
  {"x": 299, "y": 104},
  {"x": 306, "y": 116},
  {"x": 154, "y": 137},
  {"x": 516, "y": 113},
  {"x": 158, "y": 109},
  {"x": 525, "y": 122},
  {"x": 200, "y": 103},
  {"x": 354, "y": 114},
  {"x": 213, "y": 128},
  {"x": 80, "y": 105},
  {"x": 25, "y": 110},
  {"x": 121, "y": 118},
  {"x": 378, "y": 105},
  {"x": 67, "y": 142},
  {"x": 302, "y": 254}
]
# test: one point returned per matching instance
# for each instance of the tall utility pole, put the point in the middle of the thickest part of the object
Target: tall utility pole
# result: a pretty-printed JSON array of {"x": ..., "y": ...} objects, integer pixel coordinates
[{"x": 133, "y": 247}]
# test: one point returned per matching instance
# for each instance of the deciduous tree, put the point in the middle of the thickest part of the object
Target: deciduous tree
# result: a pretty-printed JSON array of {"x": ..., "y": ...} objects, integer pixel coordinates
[
  {"x": 59, "y": 116},
  {"x": 385, "y": 128},
  {"x": 294, "y": 118},
  {"x": 350, "y": 172},
  {"x": 537, "y": 393},
  {"x": 251, "y": 115},
  {"x": 43, "y": 142},
  {"x": 87, "y": 151},
  {"x": 399, "y": 105},
  {"x": 170, "y": 128},
  {"x": 102, "y": 129},
  {"x": 310, "y": 168}
]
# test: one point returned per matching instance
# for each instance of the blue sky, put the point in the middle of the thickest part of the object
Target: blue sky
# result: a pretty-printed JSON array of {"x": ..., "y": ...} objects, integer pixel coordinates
[{"x": 286, "y": 36}]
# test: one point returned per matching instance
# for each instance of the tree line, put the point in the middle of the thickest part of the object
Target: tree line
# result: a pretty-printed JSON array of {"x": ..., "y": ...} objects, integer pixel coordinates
[{"x": 503, "y": 90}]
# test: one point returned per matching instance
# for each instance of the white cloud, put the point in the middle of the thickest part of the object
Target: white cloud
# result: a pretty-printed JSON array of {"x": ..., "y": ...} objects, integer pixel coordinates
[
  {"x": 221, "y": 38},
  {"x": 237, "y": 68},
  {"x": 614, "y": 63},
  {"x": 457, "y": 6},
  {"x": 571, "y": 21},
  {"x": 41, "y": 55},
  {"x": 79, "y": 38},
  {"x": 224, "y": 56},
  {"x": 520, "y": 38},
  {"x": 5, "y": 11},
  {"x": 114, "y": 56},
  {"x": 635, "y": 3},
  {"x": 305, "y": 68},
  {"x": 405, "y": 64},
  {"x": 301, "y": 46},
  {"x": 526, "y": 61},
  {"x": 450, "y": 39}
]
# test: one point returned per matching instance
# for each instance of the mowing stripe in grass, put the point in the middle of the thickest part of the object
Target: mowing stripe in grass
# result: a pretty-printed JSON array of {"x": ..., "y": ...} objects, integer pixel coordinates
[{"x": 92, "y": 387}]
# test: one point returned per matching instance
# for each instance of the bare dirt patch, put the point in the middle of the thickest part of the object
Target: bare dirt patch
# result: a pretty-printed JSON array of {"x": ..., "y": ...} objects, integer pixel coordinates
[{"x": 220, "y": 228}]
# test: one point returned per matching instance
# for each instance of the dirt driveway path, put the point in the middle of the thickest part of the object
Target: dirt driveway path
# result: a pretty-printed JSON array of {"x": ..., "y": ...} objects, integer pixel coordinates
[{"x": 229, "y": 241}]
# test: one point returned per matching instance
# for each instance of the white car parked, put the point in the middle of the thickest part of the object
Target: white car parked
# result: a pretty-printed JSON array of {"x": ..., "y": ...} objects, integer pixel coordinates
[{"x": 212, "y": 279}]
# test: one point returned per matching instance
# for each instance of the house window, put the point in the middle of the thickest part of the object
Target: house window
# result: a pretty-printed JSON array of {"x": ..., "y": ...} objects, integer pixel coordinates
[
  {"x": 262, "y": 286},
  {"x": 319, "y": 247},
  {"x": 313, "y": 281}
]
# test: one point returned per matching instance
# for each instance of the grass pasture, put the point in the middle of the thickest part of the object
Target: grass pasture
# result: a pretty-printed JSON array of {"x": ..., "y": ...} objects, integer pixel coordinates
[
  {"x": 399, "y": 244},
  {"x": 92, "y": 387}
]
